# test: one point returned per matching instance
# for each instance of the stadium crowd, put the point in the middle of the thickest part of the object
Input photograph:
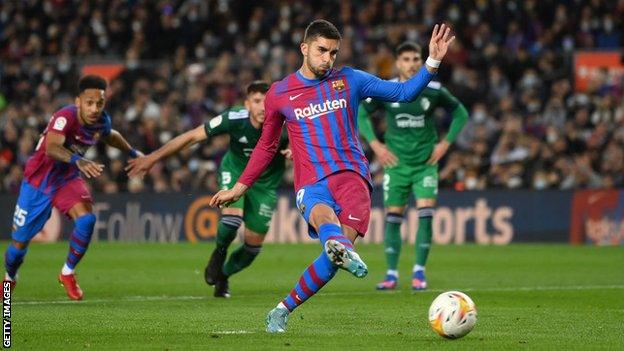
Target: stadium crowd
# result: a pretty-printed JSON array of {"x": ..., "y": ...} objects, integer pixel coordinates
[{"x": 186, "y": 61}]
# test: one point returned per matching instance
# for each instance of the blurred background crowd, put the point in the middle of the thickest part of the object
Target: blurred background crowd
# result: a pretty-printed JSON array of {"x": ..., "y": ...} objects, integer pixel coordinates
[{"x": 186, "y": 61}]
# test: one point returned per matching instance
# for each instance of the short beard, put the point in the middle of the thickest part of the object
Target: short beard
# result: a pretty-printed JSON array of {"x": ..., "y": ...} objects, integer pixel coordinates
[{"x": 317, "y": 73}]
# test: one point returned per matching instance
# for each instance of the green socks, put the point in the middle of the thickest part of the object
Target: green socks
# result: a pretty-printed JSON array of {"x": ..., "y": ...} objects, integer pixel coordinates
[
  {"x": 423, "y": 236},
  {"x": 392, "y": 240},
  {"x": 241, "y": 258}
]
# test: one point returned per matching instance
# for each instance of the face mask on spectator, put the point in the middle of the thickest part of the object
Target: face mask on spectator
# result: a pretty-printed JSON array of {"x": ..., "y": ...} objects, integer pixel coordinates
[
  {"x": 132, "y": 64},
  {"x": 471, "y": 183},
  {"x": 514, "y": 182},
  {"x": 540, "y": 183},
  {"x": 608, "y": 25},
  {"x": 552, "y": 136},
  {"x": 479, "y": 116},
  {"x": 454, "y": 13}
]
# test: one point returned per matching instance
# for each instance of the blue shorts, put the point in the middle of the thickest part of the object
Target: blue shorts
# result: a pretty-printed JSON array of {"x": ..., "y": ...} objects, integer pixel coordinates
[
  {"x": 31, "y": 212},
  {"x": 346, "y": 192}
]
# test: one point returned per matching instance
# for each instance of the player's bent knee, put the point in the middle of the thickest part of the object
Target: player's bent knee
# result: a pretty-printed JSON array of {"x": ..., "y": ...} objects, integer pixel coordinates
[
  {"x": 253, "y": 238},
  {"x": 425, "y": 203},
  {"x": 322, "y": 214},
  {"x": 395, "y": 210}
]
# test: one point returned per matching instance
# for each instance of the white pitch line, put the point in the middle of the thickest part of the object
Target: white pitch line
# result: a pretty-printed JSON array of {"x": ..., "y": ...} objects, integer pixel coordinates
[
  {"x": 227, "y": 332},
  {"x": 345, "y": 293}
]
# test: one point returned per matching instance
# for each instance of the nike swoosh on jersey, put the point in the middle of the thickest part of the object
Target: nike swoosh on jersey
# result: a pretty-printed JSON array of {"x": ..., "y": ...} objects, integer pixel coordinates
[{"x": 291, "y": 98}]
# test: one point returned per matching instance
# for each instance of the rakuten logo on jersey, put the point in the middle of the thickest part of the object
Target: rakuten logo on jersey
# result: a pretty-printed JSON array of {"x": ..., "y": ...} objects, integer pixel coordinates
[{"x": 317, "y": 110}]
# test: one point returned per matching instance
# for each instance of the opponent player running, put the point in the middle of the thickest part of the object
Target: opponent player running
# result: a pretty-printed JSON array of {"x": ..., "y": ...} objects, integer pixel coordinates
[
  {"x": 411, "y": 135},
  {"x": 256, "y": 208},
  {"x": 332, "y": 179},
  {"x": 52, "y": 179}
]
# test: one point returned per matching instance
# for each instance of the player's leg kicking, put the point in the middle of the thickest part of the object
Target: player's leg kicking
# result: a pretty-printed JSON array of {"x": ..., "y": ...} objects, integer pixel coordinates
[{"x": 341, "y": 198}]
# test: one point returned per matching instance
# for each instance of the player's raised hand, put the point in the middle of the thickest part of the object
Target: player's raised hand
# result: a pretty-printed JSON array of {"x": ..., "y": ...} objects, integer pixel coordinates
[
  {"x": 138, "y": 167},
  {"x": 438, "y": 152},
  {"x": 225, "y": 197},
  {"x": 89, "y": 168},
  {"x": 384, "y": 155},
  {"x": 441, "y": 39}
]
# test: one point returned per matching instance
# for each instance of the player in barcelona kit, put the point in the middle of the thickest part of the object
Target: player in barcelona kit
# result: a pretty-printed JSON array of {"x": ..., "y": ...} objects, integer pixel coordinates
[
  {"x": 411, "y": 136},
  {"x": 52, "y": 179},
  {"x": 332, "y": 181},
  {"x": 243, "y": 125}
]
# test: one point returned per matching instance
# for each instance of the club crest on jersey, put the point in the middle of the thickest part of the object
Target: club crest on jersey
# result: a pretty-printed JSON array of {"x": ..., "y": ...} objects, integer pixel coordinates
[{"x": 338, "y": 85}]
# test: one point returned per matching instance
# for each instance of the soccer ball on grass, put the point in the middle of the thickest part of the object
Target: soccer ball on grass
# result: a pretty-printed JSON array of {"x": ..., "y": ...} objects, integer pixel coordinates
[{"x": 452, "y": 314}]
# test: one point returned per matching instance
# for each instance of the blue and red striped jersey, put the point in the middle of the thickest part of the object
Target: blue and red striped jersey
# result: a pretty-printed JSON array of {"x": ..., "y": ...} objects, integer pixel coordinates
[
  {"x": 47, "y": 174},
  {"x": 321, "y": 119}
]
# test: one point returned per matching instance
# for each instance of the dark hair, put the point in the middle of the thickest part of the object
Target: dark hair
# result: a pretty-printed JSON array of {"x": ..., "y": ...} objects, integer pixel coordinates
[
  {"x": 91, "y": 82},
  {"x": 407, "y": 47},
  {"x": 321, "y": 28},
  {"x": 257, "y": 86}
]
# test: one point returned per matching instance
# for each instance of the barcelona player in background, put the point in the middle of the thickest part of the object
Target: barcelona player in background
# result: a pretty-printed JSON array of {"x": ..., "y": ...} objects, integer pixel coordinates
[{"x": 52, "y": 178}]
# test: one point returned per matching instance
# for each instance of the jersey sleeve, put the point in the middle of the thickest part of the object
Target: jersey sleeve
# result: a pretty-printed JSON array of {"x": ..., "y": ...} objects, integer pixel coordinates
[
  {"x": 266, "y": 148},
  {"x": 365, "y": 125},
  {"x": 60, "y": 123},
  {"x": 218, "y": 125},
  {"x": 447, "y": 100},
  {"x": 108, "y": 125},
  {"x": 459, "y": 113},
  {"x": 375, "y": 87}
]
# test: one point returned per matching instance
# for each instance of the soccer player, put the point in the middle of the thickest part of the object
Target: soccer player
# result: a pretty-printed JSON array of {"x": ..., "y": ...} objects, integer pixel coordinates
[
  {"x": 52, "y": 179},
  {"x": 411, "y": 135},
  {"x": 244, "y": 125},
  {"x": 319, "y": 105}
]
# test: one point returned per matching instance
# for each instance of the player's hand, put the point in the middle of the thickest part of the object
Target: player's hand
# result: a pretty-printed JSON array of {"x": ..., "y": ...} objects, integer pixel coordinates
[
  {"x": 440, "y": 41},
  {"x": 138, "y": 167},
  {"x": 89, "y": 168},
  {"x": 384, "y": 155},
  {"x": 287, "y": 153},
  {"x": 225, "y": 197},
  {"x": 438, "y": 152}
]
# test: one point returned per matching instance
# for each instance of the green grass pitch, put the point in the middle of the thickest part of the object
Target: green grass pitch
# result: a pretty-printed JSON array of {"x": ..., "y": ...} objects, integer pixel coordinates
[{"x": 153, "y": 297}]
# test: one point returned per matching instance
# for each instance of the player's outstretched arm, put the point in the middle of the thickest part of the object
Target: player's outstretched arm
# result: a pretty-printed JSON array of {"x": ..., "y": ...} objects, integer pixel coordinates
[
  {"x": 374, "y": 87},
  {"x": 225, "y": 197},
  {"x": 116, "y": 140},
  {"x": 56, "y": 150},
  {"x": 141, "y": 165},
  {"x": 441, "y": 39},
  {"x": 263, "y": 153}
]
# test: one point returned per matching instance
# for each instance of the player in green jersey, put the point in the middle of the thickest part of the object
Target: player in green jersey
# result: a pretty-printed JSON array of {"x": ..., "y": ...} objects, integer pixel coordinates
[
  {"x": 410, "y": 158},
  {"x": 244, "y": 126}
]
